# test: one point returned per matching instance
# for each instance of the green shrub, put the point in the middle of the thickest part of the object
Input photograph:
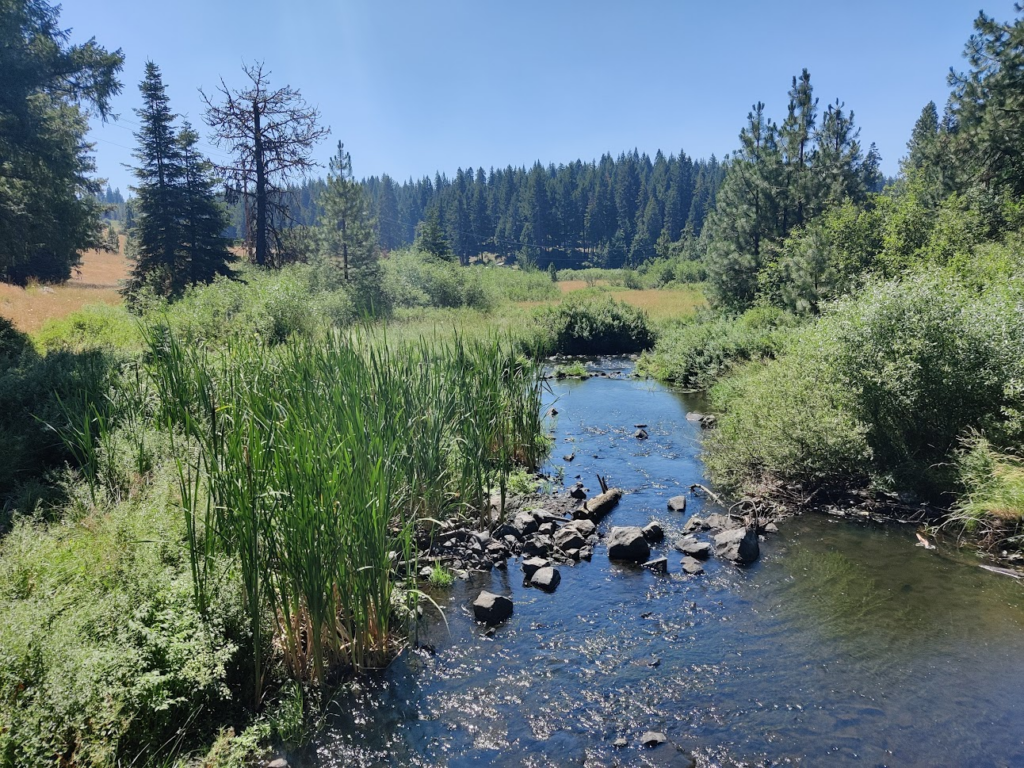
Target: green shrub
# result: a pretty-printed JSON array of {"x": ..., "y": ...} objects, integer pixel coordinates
[
  {"x": 885, "y": 384},
  {"x": 991, "y": 484},
  {"x": 39, "y": 395},
  {"x": 698, "y": 351},
  {"x": 787, "y": 420},
  {"x": 103, "y": 657},
  {"x": 413, "y": 279},
  {"x": 93, "y": 327},
  {"x": 587, "y": 326}
]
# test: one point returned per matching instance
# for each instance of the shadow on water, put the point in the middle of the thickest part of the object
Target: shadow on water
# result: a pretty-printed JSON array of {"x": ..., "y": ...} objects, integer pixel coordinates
[{"x": 844, "y": 645}]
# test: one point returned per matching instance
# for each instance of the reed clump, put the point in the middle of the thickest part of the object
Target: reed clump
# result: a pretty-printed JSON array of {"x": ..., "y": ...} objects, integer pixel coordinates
[{"x": 310, "y": 466}]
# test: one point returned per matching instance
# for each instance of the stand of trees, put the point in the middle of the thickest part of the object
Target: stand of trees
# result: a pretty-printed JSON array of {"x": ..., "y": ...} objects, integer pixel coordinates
[
  {"x": 175, "y": 238},
  {"x": 780, "y": 178},
  {"x": 612, "y": 213}
]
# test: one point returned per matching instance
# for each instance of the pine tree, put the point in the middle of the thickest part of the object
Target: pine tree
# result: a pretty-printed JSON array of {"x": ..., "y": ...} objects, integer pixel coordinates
[
  {"x": 431, "y": 237},
  {"x": 203, "y": 251},
  {"x": 746, "y": 218},
  {"x": 389, "y": 225},
  {"x": 987, "y": 105},
  {"x": 796, "y": 136},
  {"x": 157, "y": 233},
  {"x": 347, "y": 223}
]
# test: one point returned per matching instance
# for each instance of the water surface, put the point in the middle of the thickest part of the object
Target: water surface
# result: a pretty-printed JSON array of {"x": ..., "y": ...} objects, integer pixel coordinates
[{"x": 844, "y": 645}]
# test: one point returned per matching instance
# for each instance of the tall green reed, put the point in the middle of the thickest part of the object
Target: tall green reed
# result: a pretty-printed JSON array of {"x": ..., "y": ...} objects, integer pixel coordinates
[{"x": 311, "y": 465}]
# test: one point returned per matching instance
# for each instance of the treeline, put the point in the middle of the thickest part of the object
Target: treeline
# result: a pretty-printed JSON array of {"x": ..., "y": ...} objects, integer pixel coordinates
[{"x": 611, "y": 213}]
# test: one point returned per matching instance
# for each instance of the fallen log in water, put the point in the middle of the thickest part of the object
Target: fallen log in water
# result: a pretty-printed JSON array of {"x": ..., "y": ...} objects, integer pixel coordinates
[{"x": 599, "y": 506}]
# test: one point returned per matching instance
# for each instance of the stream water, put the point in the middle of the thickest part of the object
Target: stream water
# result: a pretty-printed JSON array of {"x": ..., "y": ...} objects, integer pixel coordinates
[{"x": 843, "y": 645}]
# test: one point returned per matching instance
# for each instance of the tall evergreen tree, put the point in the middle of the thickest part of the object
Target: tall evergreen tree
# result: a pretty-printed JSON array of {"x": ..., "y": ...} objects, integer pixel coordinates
[
  {"x": 389, "y": 224},
  {"x": 48, "y": 209},
  {"x": 988, "y": 104},
  {"x": 347, "y": 222},
  {"x": 157, "y": 234},
  {"x": 747, "y": 216},
  {"x": 204, "y": 251}
]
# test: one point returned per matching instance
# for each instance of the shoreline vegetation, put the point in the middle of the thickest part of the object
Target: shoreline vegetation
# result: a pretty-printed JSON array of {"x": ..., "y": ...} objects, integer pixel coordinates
[{"x": 216, "y": 485}]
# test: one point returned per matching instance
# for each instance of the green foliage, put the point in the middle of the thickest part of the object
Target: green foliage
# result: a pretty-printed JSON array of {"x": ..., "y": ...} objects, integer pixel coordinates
[
  {"x": 95, "y": 326},
  {"x": 104, "y": 655},
  {"x": 697, "y": 352},
  {"x": 895, "y": 376},
  {"x": 38, "y": 394},
  {"x": 48, "y": 209},
  {"x": 574, "y": 370},
  {"x": 786, "y": 421},
  {"x": 317, "y": 459},
  {"x": 992, "y": 484},
  {"x": 587, "y": 326},
  {"x": 441, "y": 576},
  {"x": 415, "y": 279}
]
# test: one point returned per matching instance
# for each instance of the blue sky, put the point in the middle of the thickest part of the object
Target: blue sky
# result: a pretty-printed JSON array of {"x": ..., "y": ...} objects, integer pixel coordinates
[{"x": 416, "y": 87}]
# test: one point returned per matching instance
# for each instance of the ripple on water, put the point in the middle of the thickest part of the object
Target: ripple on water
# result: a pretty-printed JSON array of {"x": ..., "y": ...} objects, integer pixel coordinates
[{"x": 844, "y": 645}]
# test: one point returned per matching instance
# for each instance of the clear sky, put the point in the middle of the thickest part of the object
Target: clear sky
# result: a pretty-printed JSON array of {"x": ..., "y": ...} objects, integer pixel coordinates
[{"x": 416, "y": 87}]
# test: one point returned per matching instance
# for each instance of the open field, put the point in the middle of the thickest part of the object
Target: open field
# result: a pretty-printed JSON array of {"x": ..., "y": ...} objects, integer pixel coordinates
[
  {"x": 660, "y": 304},
  {"x": 95, "y": 282}
]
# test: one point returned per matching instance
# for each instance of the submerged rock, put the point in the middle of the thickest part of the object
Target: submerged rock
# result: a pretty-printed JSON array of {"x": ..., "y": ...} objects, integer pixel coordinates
[
  {"x": 658, "y": 565},
  {"x": 546, "y": 578},
  {"x": 738, "y": 545},
  {"x": 692, "y": 566},
  {"x": 688, "y": 545},
  {"x": 677, "y": 504},
  {"x": 620, "y": 742},
  {"x": 628, "y": 543},
  {"x": 491, "y": 608},
  {"x": 653, "y": 738},
  {"x": 640, "y": 434}
]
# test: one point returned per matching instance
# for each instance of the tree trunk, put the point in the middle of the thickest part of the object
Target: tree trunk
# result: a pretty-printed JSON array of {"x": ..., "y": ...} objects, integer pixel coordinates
[{"x": 261, "y": 191}]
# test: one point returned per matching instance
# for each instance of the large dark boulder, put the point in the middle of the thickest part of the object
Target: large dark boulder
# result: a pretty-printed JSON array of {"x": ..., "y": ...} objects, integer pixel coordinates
[
  {"x": 546, "y": 578},
  {"x": 628, "y": 544},
  {"x": 491, "y": 608},
  {"x": 653, "y": 532},
  {"x": 738, "y": 545},
  {"x": 568, "y": 537}
]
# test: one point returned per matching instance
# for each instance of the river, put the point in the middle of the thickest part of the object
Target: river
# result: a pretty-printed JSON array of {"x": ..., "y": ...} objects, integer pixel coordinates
[{"x": 845, "y": 644}]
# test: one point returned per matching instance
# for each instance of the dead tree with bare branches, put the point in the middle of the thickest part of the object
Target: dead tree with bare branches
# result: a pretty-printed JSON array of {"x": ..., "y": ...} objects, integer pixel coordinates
[{"x": 270, "y": 133}]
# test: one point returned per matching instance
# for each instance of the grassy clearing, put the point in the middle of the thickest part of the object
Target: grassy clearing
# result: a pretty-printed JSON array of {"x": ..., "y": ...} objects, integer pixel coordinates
[{"x": 96, "y": 282}]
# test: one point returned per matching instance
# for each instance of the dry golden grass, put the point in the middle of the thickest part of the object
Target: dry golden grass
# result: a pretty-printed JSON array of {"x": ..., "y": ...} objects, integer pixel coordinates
[{"x": 95, "y": 283}]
